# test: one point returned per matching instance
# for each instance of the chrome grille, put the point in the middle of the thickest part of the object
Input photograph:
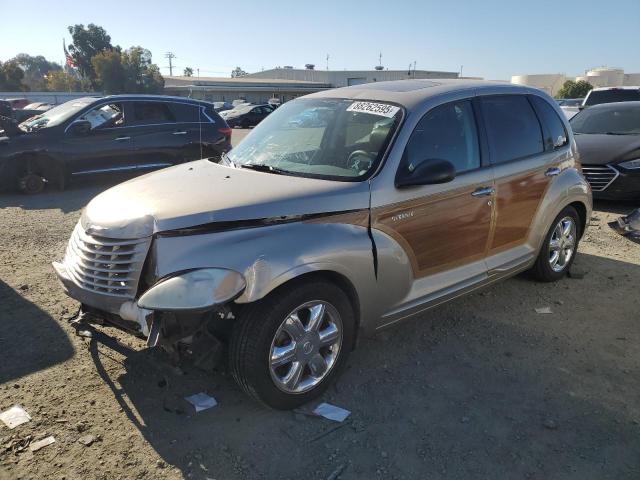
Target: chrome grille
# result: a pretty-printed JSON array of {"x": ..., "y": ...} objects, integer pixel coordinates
[
  {"x": 105, "y": 265},
  {"x": 599, "y": 176}
]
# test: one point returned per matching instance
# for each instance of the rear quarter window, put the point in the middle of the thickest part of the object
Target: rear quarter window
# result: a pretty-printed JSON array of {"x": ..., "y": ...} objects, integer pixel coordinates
[
  {"x": 555, "y": 135},
  {"x": 512, "y": 127},
  {"x": 184, "y": 112}
]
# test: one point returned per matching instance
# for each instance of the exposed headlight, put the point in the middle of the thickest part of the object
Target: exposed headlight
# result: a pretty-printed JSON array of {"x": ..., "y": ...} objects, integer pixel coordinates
[
  {"x": 631, "y": 164},
  {"x": 194, "y": 290}
]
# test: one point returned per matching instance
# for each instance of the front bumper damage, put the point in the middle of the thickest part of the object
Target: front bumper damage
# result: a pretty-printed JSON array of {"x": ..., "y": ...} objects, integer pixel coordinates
[{"x": 106, "y": 306}]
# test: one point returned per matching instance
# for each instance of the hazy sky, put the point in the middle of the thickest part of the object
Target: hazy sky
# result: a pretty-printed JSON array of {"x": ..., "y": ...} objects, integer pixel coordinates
[{"x": 493, "y": 39}]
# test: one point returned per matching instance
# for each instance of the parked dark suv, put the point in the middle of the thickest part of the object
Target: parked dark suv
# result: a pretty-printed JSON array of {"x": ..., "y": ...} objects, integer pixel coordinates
[{"x": 119, "y": 133}]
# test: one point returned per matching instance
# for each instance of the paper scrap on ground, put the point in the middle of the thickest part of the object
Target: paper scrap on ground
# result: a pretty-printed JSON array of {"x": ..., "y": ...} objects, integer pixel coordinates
[
  {"x": 201, "y": 401},
  {"x": 545, "y": 310},
  {"x": 14, "y": 416},
  {"x": 35, "y": 446},
  {"x": 331, "y": 412}
]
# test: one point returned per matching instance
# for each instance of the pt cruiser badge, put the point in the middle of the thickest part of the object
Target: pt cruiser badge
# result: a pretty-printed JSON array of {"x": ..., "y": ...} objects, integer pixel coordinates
[{"x": 314, "y": 231}]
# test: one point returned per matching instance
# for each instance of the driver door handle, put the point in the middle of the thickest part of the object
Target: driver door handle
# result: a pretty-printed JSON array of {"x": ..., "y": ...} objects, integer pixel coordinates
[
  {"x": 483, "y": 192},
  {"x": 122, "y": 139},
  {"x": 552, "y": 172},
  {"x": 180, "y": 133}
]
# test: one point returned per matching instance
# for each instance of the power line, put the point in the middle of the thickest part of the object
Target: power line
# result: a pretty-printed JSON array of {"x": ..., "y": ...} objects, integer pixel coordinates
[{"x": 170, "y": 56}]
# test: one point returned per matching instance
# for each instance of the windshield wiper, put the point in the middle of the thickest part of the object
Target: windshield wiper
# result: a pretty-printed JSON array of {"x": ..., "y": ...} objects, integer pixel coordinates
[
  {"x": 261, "y": 167},
  {"x": 620, "y": 133}
]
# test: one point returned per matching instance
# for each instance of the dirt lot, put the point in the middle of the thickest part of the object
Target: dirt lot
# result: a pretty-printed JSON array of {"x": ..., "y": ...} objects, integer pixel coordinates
[{"x": 481, "y": 388}]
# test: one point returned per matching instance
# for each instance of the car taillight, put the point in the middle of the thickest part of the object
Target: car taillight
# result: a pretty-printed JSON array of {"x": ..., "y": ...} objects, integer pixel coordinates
[{"x": 226, "y": 132}]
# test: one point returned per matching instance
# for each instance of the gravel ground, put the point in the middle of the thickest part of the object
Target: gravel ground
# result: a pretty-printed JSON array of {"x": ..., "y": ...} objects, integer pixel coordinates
[{"x": 484, "y": 387}]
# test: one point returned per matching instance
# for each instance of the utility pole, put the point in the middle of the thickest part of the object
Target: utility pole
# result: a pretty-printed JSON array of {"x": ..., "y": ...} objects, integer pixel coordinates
[
  {"x": 327, "y": 61},
  {"x": 170, "y": 56},
  {"x": 460, "y": 70},
  {"x": 414, "y": 69}
]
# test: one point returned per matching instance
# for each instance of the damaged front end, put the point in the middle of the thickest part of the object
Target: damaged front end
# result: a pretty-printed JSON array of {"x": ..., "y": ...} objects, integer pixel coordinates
[{"x": 178, "y": 312}]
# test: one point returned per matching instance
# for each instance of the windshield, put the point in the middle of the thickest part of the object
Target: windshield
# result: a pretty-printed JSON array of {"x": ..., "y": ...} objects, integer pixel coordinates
[
  {"x": 620, "y": 121},
  {"x": 328, "y": 138},
  {"x": 56, "y": 115}
]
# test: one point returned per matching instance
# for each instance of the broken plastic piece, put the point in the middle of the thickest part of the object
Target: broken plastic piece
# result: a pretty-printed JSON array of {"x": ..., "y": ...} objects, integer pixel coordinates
[
  {"x": 201, "y": 401},
  {"x": 35, "y": 446},
  {"x": 628, "y": 225},
  {"x": 331, "y": 412},
  {"x": 544, "y": 310},
  {"x": 14, "y": 416}
]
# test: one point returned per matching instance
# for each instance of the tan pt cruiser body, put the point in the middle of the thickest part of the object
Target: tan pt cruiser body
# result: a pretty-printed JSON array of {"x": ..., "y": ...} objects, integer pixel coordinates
[{"x": 342, "y": 213}]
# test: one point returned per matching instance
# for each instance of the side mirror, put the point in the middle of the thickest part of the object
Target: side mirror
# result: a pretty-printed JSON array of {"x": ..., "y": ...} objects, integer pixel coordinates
[
  {"x": 429, "y": 172},
  {"x": 80, "y": 127}
]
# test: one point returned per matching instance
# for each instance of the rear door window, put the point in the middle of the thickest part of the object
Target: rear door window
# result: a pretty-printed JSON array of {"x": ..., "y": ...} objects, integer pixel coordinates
[
  {"x": 512, "y": 127},
  {"x": 556, "y": 133},
  {"x": 447, "y": 132},
  {"x": 184, "y": 112},
  {"x": 149, "y": 113}
]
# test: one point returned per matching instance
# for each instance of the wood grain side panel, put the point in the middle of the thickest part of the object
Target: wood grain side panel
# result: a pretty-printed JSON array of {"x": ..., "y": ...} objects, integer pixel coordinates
[
  {"x": 518, "y": 197},
  {"x": 438, "y": 232},
  {"x": 359, "y": 218}
]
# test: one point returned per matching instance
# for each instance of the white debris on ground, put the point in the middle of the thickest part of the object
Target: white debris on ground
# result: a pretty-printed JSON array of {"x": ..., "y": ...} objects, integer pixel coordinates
[
  {"x": 35, "y": 446},
  {"x": 544, "y": 310},
  {"x": 201, "y": 401},
  {"x": 331, "y": 412},
  {"x": 15, "y": 416}
]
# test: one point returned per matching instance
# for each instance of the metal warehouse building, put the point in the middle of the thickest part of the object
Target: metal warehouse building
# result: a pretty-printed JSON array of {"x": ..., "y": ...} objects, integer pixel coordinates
[{"x": 284, "y": 83}]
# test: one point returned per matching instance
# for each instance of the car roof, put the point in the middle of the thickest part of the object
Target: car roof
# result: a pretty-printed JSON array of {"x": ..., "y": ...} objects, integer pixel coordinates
[
  {"x": 411, "y": 93},
  {"x": 627, "y": 87},
  {"x": 165, "y": 98},
  {"x": 615, "y": 105}
]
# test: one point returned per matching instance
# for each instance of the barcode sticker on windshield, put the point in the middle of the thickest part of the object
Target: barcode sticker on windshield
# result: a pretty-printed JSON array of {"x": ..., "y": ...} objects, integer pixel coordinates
[{"x": 374, "y": 108}]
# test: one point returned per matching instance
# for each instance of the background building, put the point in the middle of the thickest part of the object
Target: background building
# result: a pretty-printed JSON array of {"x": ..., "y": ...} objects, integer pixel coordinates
[
  {"x": 598, "y": 77},
  {"x": 284, "y": 83}
]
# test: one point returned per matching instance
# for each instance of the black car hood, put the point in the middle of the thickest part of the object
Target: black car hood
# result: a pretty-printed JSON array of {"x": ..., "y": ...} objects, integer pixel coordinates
[{"x": 600, "y": 149}]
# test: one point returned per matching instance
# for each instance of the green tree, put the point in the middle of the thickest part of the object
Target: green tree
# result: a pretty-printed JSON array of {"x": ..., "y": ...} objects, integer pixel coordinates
[
  {"x": 11, "y": 76},
  {"x": 61, "y": 81},
  {"x": 571, "y": 89},
  {"x": 109, "y": 72},
  {"x": 131, "y": 71},
  {"x": 238, "y": 72},
  {"x": 35, "y": 69},
  {"x": 141, "y": 74},
  {"x": 188, "y": 72},
  {"x": 87, "y": 43}
]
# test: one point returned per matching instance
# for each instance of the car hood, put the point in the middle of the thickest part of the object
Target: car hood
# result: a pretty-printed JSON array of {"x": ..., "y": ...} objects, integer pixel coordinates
[
  {"x": 600, "y": 149},
  {"x": 203, "y": 192}
]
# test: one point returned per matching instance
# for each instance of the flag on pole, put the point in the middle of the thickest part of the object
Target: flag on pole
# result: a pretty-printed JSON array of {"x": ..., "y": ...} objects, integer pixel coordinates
[{"x": 68, "y": 58}]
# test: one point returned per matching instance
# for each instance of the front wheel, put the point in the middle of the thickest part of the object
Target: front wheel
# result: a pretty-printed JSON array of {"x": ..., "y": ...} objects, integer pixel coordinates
[
  {"x": 559, "y": 248},
  {"x": 286, "y": 349}
]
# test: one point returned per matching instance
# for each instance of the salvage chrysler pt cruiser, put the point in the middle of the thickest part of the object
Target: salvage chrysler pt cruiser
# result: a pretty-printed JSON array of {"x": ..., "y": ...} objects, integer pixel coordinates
[{"x": 342, "y": 213}]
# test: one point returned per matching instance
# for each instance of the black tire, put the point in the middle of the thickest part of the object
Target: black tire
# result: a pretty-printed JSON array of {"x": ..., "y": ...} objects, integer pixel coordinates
[
  {"x": 31, "y": 184},
  {"x": 254, "y": 332},
  {"x": 542, "y": 270}
]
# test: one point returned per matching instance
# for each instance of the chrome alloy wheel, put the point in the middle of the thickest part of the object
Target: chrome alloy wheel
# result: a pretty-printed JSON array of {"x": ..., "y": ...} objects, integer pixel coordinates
[
  {"x": 305, "y": 347},
  {"x": 562, "y": 244}
]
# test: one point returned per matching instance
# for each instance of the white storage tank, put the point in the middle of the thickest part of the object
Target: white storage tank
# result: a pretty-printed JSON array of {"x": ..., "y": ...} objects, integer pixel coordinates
[{"x": 549, "y": 82}]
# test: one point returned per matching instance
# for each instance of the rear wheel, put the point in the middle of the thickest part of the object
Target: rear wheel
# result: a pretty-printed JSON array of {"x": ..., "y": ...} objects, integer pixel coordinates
[
  {"x": 559, "y": 248},
  {"x": 286, "y": 349}
]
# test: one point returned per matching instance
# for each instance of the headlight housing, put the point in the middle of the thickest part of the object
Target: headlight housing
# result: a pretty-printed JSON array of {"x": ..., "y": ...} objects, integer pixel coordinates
[
  {"x": 631, "y": 164},
  {"x": 194, "y": 290}
]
